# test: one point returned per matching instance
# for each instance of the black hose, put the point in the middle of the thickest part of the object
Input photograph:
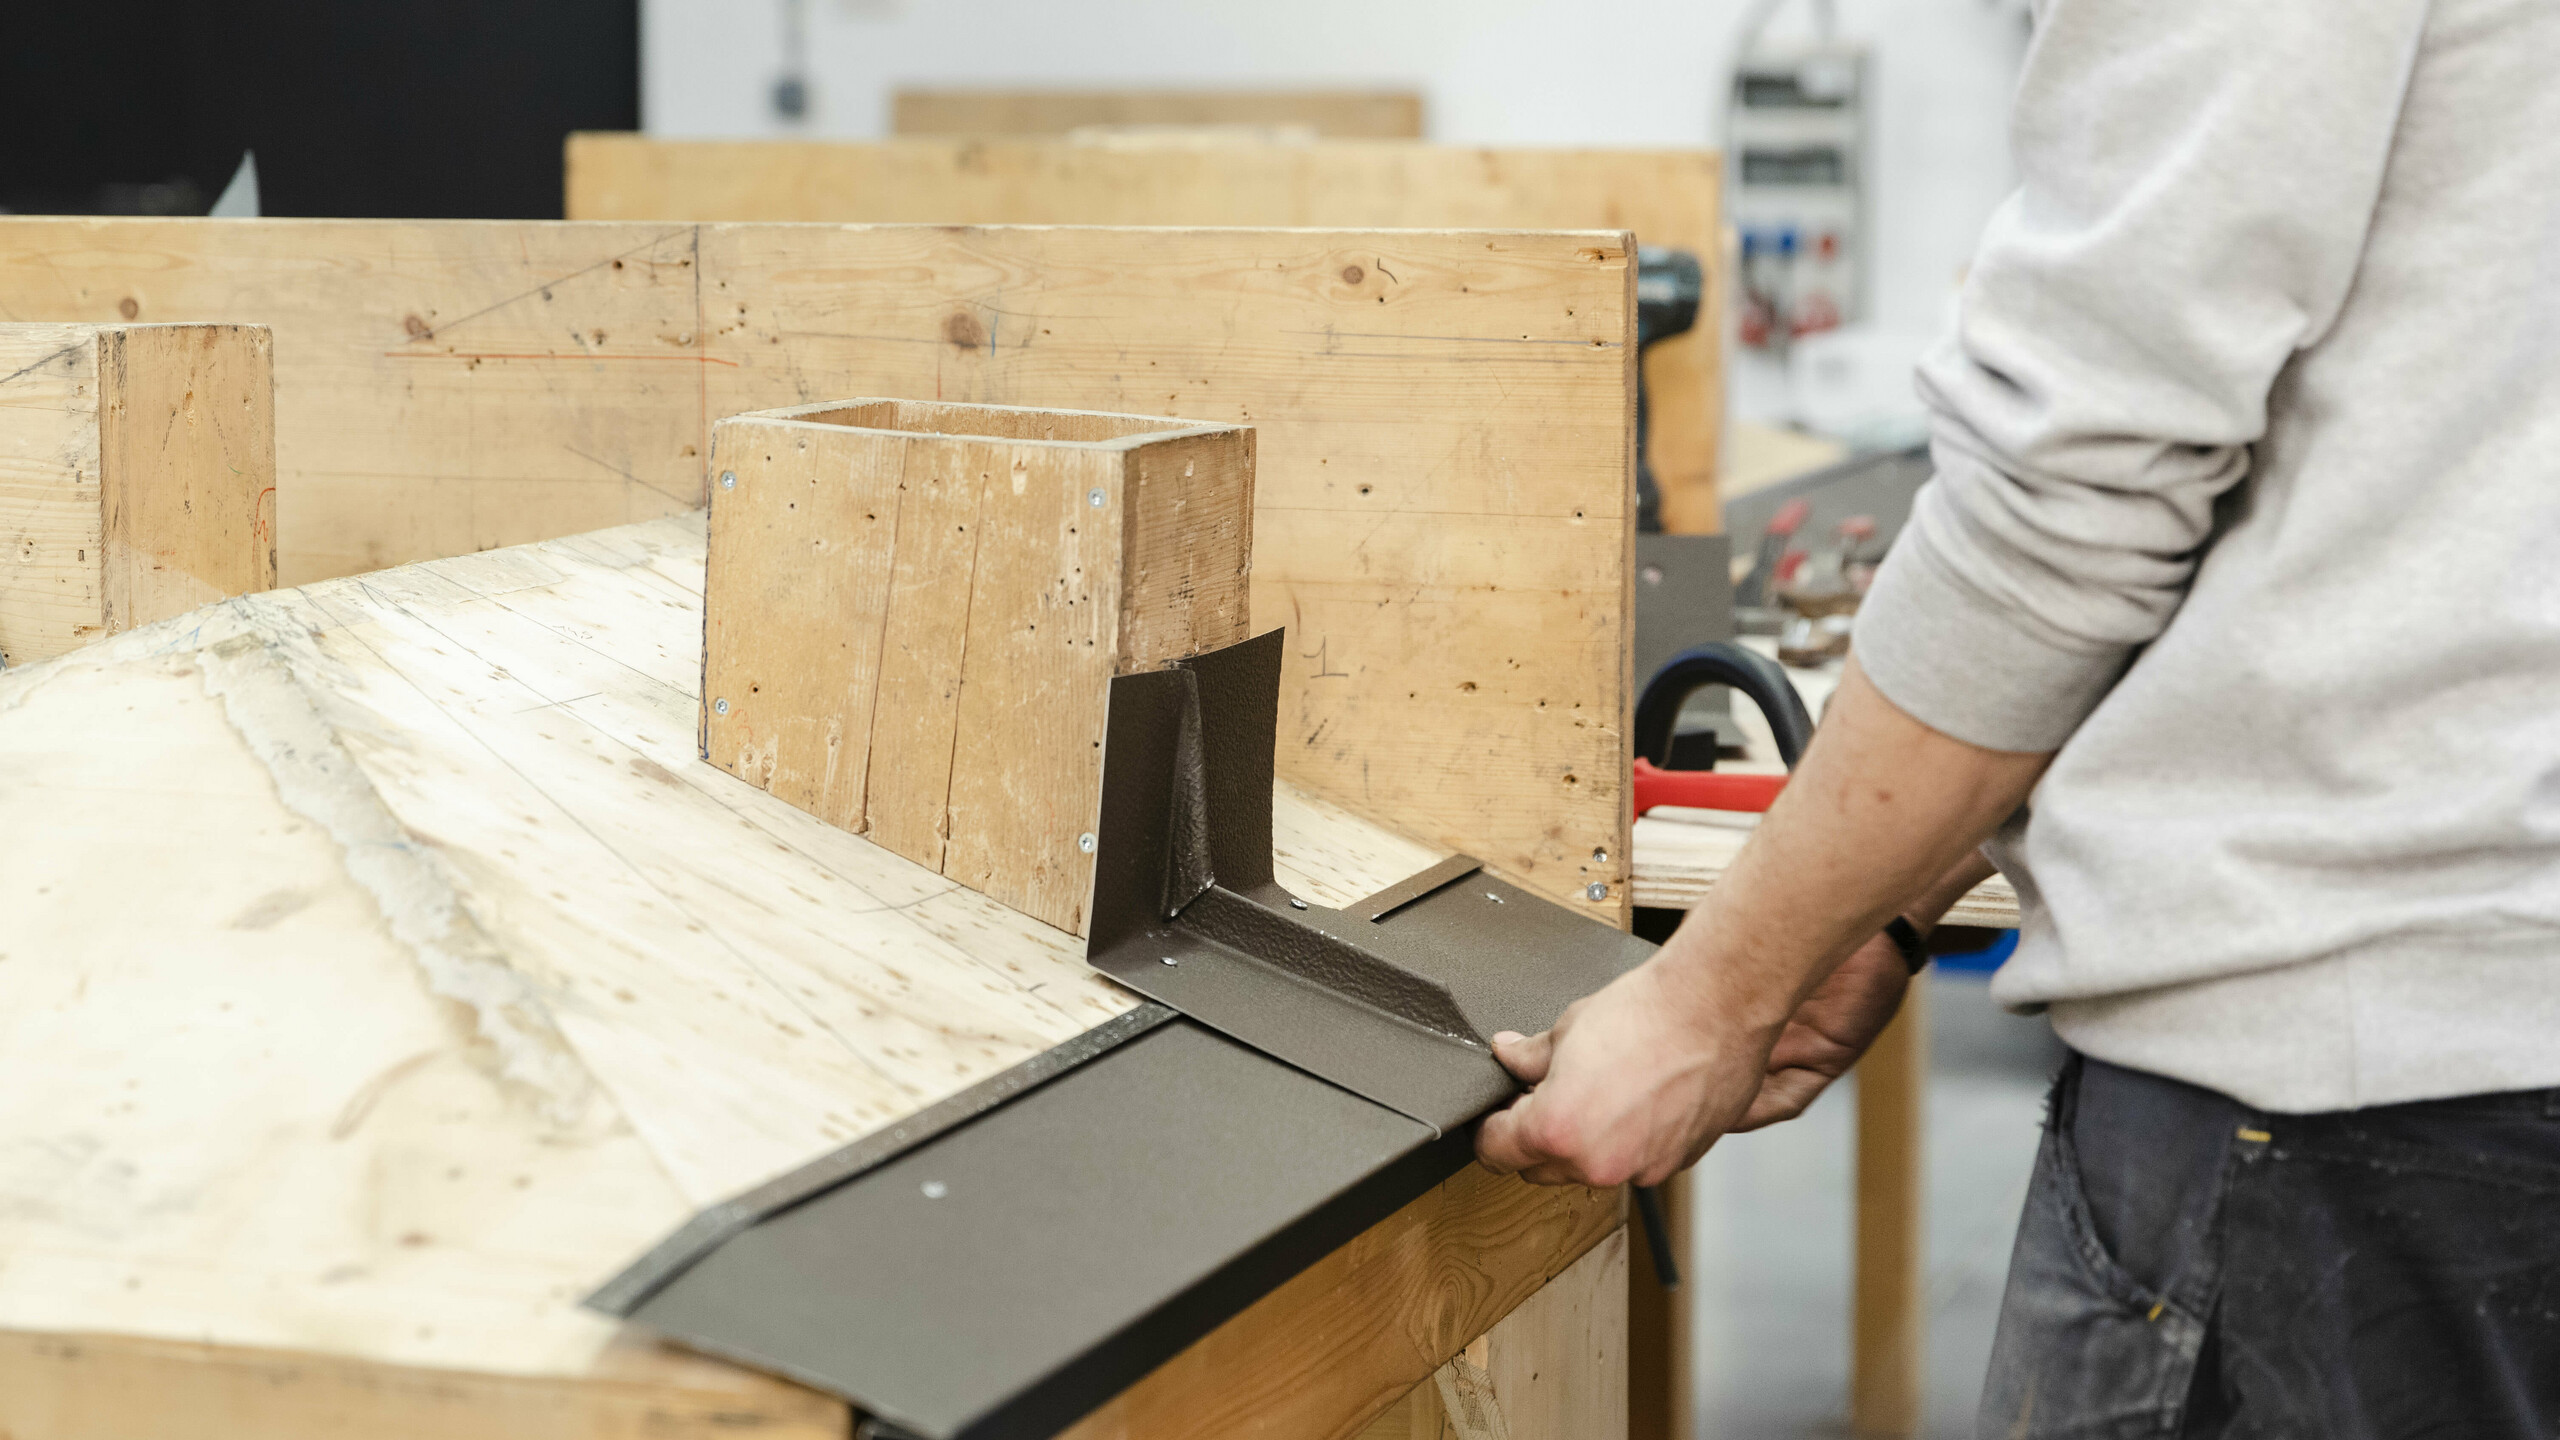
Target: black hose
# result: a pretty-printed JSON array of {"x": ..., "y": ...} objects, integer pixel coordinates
[
  {"x": 1657, "y": 1235},
  {"x": 1721, "y": 663}
]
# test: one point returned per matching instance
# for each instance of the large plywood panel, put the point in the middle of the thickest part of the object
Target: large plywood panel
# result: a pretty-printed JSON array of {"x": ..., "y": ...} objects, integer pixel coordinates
[
  {"x": 1443, "y": 508},
  {"x": 137, "y": 477},
  {"x": 1667, "y": 197}
]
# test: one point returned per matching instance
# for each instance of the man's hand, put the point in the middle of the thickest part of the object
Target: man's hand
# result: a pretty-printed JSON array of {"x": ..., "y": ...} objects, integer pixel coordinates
[
  {"x": 1634, "y": 1083},
  {"x": 1629, "y": 1087},
  {"x": 1831, "y": 1029}
]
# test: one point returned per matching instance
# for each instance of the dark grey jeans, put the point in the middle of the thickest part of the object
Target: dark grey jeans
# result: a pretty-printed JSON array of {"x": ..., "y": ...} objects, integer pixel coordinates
[{"x": 2187, "y": 1266}]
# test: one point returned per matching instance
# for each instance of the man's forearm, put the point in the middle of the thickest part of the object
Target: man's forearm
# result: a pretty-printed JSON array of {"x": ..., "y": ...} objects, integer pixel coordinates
[
  {"x": 1635, "y": 1082},
  {"x": 1881, "y": 808},
  {"x": 1970, "y": 870}
]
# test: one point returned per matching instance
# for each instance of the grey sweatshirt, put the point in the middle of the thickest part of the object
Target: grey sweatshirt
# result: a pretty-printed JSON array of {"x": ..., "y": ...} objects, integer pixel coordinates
[{"x": 2248, "y": 500}]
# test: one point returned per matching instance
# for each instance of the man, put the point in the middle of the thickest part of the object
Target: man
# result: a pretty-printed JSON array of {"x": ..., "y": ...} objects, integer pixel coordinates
[{"x": 2234, "y": 609}]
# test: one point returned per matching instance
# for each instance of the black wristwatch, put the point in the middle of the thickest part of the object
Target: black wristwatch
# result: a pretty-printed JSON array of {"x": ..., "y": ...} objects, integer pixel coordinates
[{"x": 1906, "y": 938}]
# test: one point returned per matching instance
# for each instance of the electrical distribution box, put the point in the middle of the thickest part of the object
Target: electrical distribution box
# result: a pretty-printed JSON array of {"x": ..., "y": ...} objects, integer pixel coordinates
[{"x": 1799, "y": 206}]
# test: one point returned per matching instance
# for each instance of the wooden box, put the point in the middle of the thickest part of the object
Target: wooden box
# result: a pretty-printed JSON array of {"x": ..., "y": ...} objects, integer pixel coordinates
[
  {"x": 914, "y": 610},
  {"x": 137, "y": 472}
]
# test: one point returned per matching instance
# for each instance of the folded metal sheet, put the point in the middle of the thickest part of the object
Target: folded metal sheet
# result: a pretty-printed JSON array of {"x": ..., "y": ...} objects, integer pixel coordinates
[
  {"x": 1013, "y": 1274},
  {"x": 1002, "y": 1264}
]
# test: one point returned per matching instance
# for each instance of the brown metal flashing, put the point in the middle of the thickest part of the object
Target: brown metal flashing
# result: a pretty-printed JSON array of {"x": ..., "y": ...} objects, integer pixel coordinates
[
  {"x": 1019, "y": 1270},
  {"x": 1391, "y": 1000},
  {"x": 709, "y": 1229},
  {"x": 1404, "y": 892},
  {"x": 1002, "y": 1263}
]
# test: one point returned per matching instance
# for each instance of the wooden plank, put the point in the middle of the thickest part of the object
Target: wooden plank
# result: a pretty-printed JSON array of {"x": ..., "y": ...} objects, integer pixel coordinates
[
  {"x": 137, "y": 467},
  {"x": 1667, "y": 197},
  {"x": 115, "y": 1387},
  {"x": 811, "y": 547},
  {"x": 1344, "y": 1341},
  {"x": 187, "y": 464},
  {"x": 1557, "y": 1366},
  {"x": 1554, "y": 1369},
  {"x": 1046, "y": 566},
  {"x": 1890, "y": 1310},
  {"x": 1442, "y": 506},
  {"x": 52, "y": 571},
  {"x": 1679, "y": 855},
  {"x": 1376, "y": 114},
  {"x": 923, "y": 640}
]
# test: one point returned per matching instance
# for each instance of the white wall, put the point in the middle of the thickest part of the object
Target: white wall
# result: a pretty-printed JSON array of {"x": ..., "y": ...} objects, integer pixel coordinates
[{"x": 1507, "y": 72}]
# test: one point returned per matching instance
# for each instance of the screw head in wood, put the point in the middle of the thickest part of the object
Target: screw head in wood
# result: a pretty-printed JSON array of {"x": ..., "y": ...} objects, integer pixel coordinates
[
  {"x": 719, "y": 707},
  {"x": 728, "y": 479},
  {"x": 1094, "y": 497},
  {"x": 1595, "y": 891},
  {"x": 1084, "y": 842},
  {"x": 1600, "y": 855}
]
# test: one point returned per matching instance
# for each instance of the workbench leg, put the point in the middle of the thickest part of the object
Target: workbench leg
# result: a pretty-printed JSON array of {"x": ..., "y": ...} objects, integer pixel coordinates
[
  {"x": 1554, "y": 1369},
  {"x": 1659, "y": 1361},
  {"x": 1889, "y": 1324}
]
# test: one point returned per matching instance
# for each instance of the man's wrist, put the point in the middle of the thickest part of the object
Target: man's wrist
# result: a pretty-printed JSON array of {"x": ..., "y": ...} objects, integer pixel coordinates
[{"x": 1717, "y": 980}]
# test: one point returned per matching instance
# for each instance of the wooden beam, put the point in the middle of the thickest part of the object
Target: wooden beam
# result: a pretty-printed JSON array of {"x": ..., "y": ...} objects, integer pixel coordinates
[
  {"x": 1344, "y": 1341},
  {"x": 1667, "y": 197},
  {"x": 114, "y": 1387},
  {"x": 137, "y": 463},
  {"x": 1338, "y": 1350},
  {"x": 1552, "y": 1370},
  {"x": 1890, "y": 1311},
  {"x": 938, "y": 677},
  {"x": 1442, "y": 515},
  {"x": 1374, "y": 114}
]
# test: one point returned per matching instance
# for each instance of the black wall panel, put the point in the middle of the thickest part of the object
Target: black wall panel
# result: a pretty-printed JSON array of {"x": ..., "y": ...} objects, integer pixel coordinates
[{"x": 428, "y": 108}]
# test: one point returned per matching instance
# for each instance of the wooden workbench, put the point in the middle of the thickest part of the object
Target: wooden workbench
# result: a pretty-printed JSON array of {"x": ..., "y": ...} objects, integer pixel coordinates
[
  {"x": 446, "y": 387},
  {"x": 385, "y": 969}
]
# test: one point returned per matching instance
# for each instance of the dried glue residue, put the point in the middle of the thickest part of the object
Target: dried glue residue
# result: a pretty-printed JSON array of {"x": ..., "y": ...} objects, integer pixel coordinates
[{"x": 253, "y": 671}]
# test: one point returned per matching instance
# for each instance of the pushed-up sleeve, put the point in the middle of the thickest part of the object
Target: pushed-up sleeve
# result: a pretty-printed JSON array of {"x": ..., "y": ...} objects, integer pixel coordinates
[{"x": 2196, "y": 182}]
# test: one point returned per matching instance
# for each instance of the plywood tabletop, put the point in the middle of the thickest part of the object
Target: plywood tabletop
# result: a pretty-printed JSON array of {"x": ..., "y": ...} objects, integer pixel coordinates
[{"x": 385, "y": 969}]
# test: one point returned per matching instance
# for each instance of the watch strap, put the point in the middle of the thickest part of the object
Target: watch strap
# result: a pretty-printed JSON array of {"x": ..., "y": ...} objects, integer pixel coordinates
[{"x": 1906, "y": 938}]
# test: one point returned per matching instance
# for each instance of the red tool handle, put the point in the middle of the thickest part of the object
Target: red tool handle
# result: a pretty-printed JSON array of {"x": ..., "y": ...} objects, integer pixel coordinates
[{"x": 1704, "y": 789}]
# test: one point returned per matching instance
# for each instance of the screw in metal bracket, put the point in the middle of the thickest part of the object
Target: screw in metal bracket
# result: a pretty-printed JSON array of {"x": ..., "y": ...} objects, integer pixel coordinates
[
  {"x": 1094, "y": 497},
  {"x": 728, "y": 479},
  {"x": 935, "y": 1189},
  {"x": 719, "y": 707},
  {"x": 1297, "y": 904},
  {"x": 1170, "y": 960},
  {"x": 1084, "y": 842},
  {"x": 1595, "y": 891}
]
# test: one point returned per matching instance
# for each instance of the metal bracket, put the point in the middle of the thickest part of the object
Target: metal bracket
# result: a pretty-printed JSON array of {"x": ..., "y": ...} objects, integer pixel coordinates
[{"x": 1393, "y": 999}]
